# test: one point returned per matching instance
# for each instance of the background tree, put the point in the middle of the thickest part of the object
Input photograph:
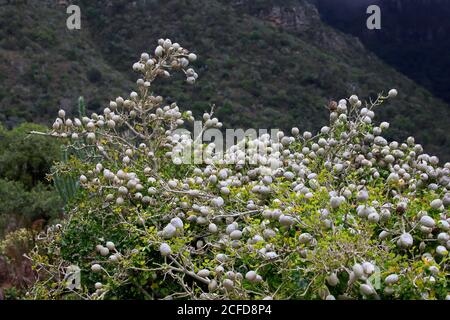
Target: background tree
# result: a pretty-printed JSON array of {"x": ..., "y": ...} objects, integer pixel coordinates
[{"x": 25, "y": 193}]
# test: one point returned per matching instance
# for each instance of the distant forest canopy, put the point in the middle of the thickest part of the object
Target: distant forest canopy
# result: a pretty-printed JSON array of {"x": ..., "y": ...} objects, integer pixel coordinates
[
  {"x": 414, "y": 43},
  {"x": 256, "y": 69}
]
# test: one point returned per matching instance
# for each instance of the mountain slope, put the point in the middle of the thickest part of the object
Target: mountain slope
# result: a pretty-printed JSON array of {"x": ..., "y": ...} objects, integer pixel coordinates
[
  {"x": 258, "y": 72},
  {"x": 45, "y": 66},
  {"x": 415, "y": 43}
]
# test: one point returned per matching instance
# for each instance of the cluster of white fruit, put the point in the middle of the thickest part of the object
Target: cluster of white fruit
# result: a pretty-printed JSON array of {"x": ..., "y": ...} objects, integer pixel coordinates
[
  {"x": 104, "y": 251},
  {"x": 270, "y": 208},
  {"x": 168, "y": 56},
  {"x": 139, "y": 105}
]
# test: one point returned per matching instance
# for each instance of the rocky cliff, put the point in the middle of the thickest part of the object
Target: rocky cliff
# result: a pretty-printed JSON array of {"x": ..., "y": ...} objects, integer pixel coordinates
[{"x": 414, "y": 38}]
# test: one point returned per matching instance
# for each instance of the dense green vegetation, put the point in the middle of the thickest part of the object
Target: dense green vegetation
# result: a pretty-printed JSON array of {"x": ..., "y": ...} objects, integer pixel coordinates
[
  {"x": 28, "y": 201},
  {"x": 25, "y": 193},
  {"x": 256, "y": 73},
  {"x": 344, "y": 214}
]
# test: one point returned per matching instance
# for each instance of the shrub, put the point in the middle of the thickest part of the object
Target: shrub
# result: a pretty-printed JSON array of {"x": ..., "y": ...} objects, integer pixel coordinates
[
  {"x": 26, "y": 158},
  {"x": 338, "y": 215},
  {"x": 16, "y": 273},
  {"x": 25, "y": 193}
]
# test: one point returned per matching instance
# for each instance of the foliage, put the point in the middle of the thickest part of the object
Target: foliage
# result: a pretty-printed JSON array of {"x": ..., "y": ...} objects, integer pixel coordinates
[
  {"x": 338, "y": 215},
  {"x": 25, "y": 193},
  {"x": 26, "y": 158},
  {"x": 15, "y": 270}
]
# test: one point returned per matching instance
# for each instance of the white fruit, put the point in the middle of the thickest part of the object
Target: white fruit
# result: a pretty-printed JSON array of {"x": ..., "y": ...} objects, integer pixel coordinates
[
  {"x": 362, "y": 196},
  {"x": 192, "y": 57},
  {"x": 434, "y": 270},
  {"x": 212, "y": 286},
  {"x": 333, "y": 280},
  {"x": 368, "y": 268},
  {"x": 110, "y": 245},
  {"x": 391, "y": 279},
  {"x": 443, "y": 237},
  {"x": 307, "y": 135},
  {"x": 190, "y": 80},
  {"x": 96, "y": 267},
  {"x": 165, "y": 249},
  {"x": 436, "y": 203},
  {"x": 405, "y": 241},
  {"x": 441, "y": 250},
  {"x": 305, "y": 238},
  {"x": 351, "y": 277},
  {"x": 286, "y": 220},
  {"x": 228, "y": 284},
  {"x": 184, "y": 62},
  {"x": 392, "y": 93},
  {"x": 251, "y": 276},
  {"x": 257, "y": 238},
  {"x": 167, "y": 44},
  {"x": 366, "y": 290},
  {"x": 358, "y": 270},
  {"x": 335, "y": 202},
  {"x": 230, "y": 228},
  {"x": 384, "y": 235},
  {"x": 224, "y": 190},
  {"x": 219, "y": 269},
  {"x": 217, "y": 202},
  {"x": 427, "y": 221},
  {"x": 389, "y": 291},
  {"x": 353, "y": 99},
  {"x": 177, "y": 223},
  {"x": 221, "y": 257},
  {"x": 373, "y": 217},
  {"x": 110, "y": 123},
  {"x": 204, "y": 273},
  {"x": 236, "y": 234},
  {"x": 271, "y": 255},
  {"x": 137, "y": 66},
  {"x": 123, "y": 190},
  {"x": 169, "y": 231},
  {"x": 104, "y": 251},
  {"x": 212, "y": 228},
  {"x": 159, "y": 51},
  {"x": 444, "y": 225},
  {"x": 114, "y": 258}
]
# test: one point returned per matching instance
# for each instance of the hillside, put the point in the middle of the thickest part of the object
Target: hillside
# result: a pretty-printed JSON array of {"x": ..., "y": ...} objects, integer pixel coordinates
[
  {"x": 44, "y": 65},
  {"x": 256, "y": 67}
]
